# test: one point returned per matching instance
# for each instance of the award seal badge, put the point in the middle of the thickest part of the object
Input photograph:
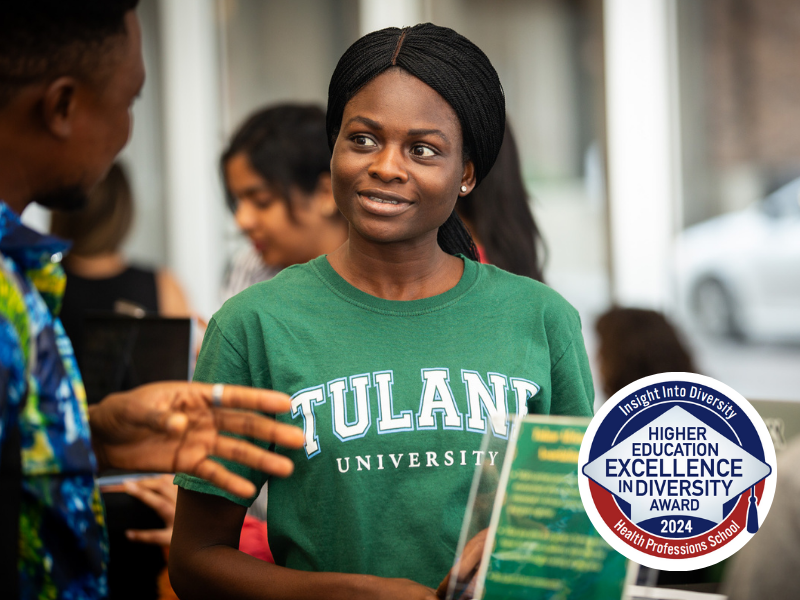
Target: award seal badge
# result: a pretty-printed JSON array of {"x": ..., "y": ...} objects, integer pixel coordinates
[{"x": 677, "y": 471}]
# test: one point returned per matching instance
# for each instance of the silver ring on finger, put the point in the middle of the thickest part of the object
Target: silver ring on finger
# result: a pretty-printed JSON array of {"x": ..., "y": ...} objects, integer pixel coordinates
[{"x": 216, "y": 394}]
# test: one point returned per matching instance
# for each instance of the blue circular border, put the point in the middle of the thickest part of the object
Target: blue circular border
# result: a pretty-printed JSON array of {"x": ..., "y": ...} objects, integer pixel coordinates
[{"x": 617, "y": 423}]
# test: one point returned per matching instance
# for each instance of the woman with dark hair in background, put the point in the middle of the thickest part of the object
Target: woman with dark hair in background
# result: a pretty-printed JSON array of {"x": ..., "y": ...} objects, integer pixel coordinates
[
  {"x": 98, "y": 275},
  {"x": 278, "y": 185},
  {"x": 498, "y": 216},
  {"x": 386, "y": 346},
  {"x": 635, "y": 343},
  {"x": 276, "y": 172}
]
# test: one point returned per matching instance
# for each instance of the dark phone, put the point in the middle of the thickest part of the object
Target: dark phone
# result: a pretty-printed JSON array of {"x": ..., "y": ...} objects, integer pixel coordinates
[
  {"x": 126, "y": 512},
  {"x": 121, "y": 352}
]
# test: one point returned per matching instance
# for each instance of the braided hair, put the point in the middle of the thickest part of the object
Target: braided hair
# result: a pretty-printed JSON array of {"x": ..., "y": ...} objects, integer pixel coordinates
[{"x": 453, "y": 67}]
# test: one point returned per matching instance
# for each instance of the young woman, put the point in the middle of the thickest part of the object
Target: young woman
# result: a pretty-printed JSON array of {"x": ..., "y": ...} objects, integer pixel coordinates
[
  {"x": 278, "y": 185},
  {"x": 400, "y": 351}
]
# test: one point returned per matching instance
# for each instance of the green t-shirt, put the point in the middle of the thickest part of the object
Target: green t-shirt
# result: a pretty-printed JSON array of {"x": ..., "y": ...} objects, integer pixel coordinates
[{"x": 394, "y": 398}]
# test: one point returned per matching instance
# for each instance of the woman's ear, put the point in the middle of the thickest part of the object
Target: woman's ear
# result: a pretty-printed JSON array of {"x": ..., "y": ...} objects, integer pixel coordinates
[
  {"x": 323, "y": 196},
  {"x": 467, "y": 179}
]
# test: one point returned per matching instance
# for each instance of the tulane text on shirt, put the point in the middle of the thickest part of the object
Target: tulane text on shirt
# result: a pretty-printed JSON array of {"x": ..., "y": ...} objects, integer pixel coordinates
[{"x": 353, "y": 400}]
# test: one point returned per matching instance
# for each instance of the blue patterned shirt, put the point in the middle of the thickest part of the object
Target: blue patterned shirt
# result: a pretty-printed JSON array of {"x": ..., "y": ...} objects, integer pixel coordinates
[{"x": 63, "y": 549}]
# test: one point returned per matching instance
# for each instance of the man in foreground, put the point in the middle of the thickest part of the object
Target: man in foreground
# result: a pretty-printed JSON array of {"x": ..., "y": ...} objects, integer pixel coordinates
[{"x": 69, "y": 73}]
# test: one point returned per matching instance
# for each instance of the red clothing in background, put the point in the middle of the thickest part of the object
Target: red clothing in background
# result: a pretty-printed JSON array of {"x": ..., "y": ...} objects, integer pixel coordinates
[{"x": 253, "y": 540}]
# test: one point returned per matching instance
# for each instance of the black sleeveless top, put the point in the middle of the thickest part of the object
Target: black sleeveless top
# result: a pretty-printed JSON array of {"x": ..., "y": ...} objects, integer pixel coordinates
[
  {"x": 87, "y": 295},
  {"x": 133, "y": 568}
]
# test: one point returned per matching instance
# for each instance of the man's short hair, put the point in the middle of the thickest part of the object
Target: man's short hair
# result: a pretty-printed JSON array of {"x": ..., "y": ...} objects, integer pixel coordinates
[{"x": 45, "y": 39}]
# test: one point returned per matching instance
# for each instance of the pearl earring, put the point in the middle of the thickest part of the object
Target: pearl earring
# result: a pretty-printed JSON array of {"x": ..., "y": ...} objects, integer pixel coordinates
[{"x": 463, "y": 189}]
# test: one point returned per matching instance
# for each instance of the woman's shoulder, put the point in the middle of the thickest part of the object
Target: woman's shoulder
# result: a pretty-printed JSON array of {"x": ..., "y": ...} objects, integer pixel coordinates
[
  {"x": 278, "y": 294},
  {"x": 526, "y": 296},
  {"x": 507, "y": 283}
]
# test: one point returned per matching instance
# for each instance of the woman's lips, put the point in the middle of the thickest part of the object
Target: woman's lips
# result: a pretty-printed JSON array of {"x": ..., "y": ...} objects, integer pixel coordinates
[{"x": 383, "y": 204}]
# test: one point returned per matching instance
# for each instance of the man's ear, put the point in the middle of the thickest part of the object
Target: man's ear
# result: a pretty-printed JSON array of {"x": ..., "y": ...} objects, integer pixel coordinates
[
  {"x": 58, "y": 106},
  {"x": 323, "y": 196},
  {"x": 467, "y": 178}
]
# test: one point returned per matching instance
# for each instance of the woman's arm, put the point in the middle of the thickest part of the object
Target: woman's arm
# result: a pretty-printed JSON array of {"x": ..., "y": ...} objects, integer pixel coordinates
[
  {"x": 204, "y": 562},
  {"x": 171, "y": 299}
]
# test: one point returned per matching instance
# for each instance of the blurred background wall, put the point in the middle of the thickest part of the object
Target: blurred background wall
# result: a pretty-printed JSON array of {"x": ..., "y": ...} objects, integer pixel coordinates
[{"x": 636, "y": 120}]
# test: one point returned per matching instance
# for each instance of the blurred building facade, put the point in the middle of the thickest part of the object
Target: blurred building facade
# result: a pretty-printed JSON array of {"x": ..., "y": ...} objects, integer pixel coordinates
[{"x": 740, "y": 92}]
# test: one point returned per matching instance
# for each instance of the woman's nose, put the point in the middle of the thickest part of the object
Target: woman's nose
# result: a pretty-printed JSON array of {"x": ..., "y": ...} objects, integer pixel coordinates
[
  {"x": 245, "y": 216},
  {"x": 388, "y": 165}
]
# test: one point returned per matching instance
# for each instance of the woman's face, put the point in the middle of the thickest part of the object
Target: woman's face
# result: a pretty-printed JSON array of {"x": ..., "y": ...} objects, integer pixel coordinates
[
  {"x": 263, "y": 215},
  {"x": 397, "y": 165}
]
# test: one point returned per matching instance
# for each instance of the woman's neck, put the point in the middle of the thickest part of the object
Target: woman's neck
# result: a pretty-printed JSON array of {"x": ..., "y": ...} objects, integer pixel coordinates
[
  {"x": 330, "y": 238},
  {"x": 397, "y": 271},
  {"x": 100, "y": 266}
]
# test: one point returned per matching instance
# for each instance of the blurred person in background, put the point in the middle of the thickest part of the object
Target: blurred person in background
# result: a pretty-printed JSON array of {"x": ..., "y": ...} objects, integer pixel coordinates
[
  {"x": 98, "y": 275},
  {"x": 69, "y": 73},
  {"x": 635, "y": 343},
  {"x": 498, "y": 215},
  {"x": 99, "y": 278},
  {"x": 277, "y": 178},
  {"x": 276, "y": 172}
]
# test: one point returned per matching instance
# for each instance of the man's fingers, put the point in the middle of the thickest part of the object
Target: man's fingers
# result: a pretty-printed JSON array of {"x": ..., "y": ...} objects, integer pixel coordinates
[
  {"x": 263, "y": 428},
  {"x": 252, "y": 456},
  {"x": 216, "y": 474},
  {"x": 236, "y": 396},
  {"x": 175, "y": 423}
]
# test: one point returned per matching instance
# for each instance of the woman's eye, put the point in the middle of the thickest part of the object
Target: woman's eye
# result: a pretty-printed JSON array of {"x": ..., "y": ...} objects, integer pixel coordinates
[
  {"x": 422, "y": 151},
  {"x": 258, "y": 201},
  {"x": 362, "y": 140}
]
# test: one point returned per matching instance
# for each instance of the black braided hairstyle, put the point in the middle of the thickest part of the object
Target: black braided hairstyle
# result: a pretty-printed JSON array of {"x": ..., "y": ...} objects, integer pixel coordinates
[{"x": 453, "y": 67}]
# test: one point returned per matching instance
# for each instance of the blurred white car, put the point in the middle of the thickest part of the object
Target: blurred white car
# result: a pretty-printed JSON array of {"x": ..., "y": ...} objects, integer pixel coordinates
[{"x": 739, "y": 274}]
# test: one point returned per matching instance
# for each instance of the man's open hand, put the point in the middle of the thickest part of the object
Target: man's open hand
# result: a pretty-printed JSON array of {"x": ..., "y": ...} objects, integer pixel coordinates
[{"x": 173, "y": 427}]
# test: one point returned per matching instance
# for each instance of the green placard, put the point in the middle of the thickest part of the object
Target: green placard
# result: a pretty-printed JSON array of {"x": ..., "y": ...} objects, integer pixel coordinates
[{"x": 541, "y": 542}]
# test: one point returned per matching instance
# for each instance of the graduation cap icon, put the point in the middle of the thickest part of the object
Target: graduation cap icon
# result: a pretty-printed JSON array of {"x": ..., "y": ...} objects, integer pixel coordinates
[{"x": 679, "y": 465}]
